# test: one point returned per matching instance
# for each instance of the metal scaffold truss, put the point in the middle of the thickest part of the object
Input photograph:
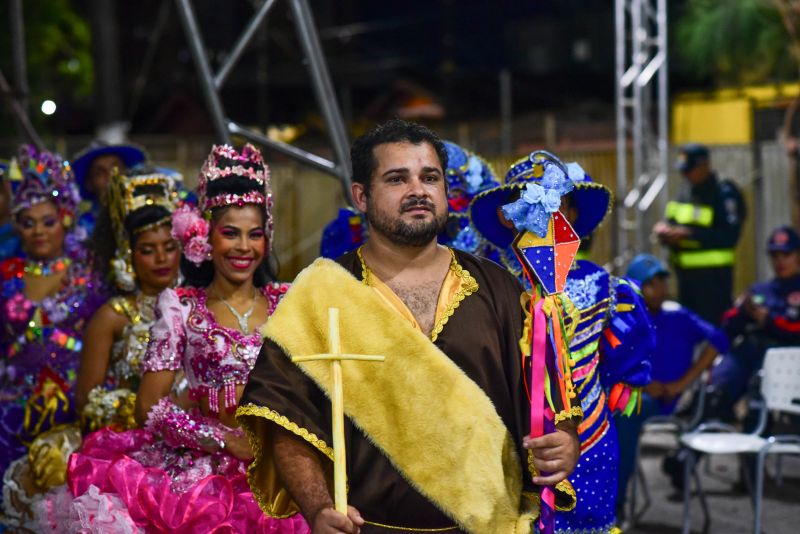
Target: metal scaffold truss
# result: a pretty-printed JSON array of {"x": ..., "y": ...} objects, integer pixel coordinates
[
  {"x": 642, "y": 122},
  {"x": 212, "y": 84}
]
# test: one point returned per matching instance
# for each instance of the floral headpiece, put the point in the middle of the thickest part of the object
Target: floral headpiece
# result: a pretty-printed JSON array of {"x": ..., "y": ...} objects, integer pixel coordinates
[
  {"x": 125, "y": 195},
  {"x": 190, "y": 225},
  {"x": 540, "y": 199},
  {"x": 467, "y": 175},
  {"x": 44, "y": 176}
]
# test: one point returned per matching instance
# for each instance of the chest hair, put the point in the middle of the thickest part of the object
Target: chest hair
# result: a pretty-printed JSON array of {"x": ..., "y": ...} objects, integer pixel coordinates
[{"x": 421, "y": 300}]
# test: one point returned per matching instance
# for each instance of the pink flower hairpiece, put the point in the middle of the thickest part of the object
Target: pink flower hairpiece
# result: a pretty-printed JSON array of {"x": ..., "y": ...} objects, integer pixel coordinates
[{"x": 191, "y": 230}]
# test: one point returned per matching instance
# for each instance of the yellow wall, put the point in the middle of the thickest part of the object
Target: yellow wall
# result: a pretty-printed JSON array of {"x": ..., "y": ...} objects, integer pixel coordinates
[
  {"x": 712, "y": 122},
  {"x": 725, "y": 116}
]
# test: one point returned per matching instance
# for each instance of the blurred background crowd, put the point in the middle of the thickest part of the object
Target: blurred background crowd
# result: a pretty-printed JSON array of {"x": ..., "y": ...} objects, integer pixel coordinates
[{"x": 685, "y": 110}]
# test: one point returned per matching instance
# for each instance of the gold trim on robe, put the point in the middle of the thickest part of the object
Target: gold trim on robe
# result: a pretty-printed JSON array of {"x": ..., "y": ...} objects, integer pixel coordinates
[{"x": 418, "y": 407}]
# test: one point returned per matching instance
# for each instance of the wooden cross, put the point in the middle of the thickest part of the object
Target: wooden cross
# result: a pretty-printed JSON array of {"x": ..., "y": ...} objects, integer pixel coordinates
[{"x": 335, "y": 356}]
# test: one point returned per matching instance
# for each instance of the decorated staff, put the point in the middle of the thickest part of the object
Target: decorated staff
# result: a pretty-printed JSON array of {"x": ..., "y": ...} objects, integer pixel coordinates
[{"x": 545, "y": 246}]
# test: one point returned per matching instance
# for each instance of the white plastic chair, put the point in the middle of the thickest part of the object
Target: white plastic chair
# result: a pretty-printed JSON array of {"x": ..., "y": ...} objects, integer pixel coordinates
[
  {"x": 665, "y": 426},
  {"x": 780, "y": 389}
]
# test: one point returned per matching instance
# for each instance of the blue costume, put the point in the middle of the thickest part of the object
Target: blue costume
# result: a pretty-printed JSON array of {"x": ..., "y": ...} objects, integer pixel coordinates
[
  {"x": 610, "y": 347},
  {"x": 89, "y": 207},
  {"x": 10, "y": 245},
  {"x": 678, "y": 331},
  {"x": 781, "y": 297},
  {"x": 343, "y": 234}
]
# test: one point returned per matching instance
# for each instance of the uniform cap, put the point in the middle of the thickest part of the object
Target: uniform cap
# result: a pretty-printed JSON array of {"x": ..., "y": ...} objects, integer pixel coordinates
[
  {"x": 690, "y": 156},
  {"x": 783, "y": 239},
  {"x": 644, "y": 267}
]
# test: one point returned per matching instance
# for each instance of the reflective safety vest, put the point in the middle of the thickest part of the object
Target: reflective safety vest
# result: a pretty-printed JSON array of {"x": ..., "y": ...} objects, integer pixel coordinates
[
  {"x": 700, "y": 216},
  {"x": 690, "y": 214},
  {"x": 697, "y": 259}
]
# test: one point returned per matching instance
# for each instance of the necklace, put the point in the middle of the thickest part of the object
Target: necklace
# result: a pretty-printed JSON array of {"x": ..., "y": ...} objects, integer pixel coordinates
[
  {"x": 146, "y": 306},
  {"x": 39, "y": 268},
  {"x": 242, "y": 317}
]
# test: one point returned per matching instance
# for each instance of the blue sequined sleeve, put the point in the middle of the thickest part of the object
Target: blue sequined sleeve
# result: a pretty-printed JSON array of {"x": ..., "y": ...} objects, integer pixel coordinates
[{"x": 628, "y": 338}]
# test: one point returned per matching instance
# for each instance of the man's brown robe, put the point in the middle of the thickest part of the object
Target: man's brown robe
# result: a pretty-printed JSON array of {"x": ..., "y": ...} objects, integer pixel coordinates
[{"x": 434, "y": 434}]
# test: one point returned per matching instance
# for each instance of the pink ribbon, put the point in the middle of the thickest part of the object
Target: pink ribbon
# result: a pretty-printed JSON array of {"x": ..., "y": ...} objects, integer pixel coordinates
[
  {"x": 538, "y": 352},
  {"x": 538, "y": 414}
]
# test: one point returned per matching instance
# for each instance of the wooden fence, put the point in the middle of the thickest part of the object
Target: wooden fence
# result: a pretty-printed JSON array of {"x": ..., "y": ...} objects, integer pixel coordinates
[{"x": 306, "y": 200}]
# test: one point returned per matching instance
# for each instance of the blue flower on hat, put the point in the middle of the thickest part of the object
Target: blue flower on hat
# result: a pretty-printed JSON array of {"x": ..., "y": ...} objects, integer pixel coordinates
[
  {"x": 539, "y": 201},
  {"x": 576, "y": 172},
  {"x": 474, "y": 175}
]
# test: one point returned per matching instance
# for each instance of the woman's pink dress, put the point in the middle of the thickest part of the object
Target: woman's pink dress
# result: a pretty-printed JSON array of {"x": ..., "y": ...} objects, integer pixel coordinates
[{"x": 135, "y": 481}]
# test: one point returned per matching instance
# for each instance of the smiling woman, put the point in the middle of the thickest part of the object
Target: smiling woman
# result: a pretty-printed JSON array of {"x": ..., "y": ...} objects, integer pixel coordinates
[
  {"x": 133, "y": 240},
  {"x": 185, "y": 471},
  {"x": 46, "y": 297}
]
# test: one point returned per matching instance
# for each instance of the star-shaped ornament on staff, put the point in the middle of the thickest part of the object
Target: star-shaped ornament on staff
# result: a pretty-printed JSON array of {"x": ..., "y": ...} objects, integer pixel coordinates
[{"x": 335, "y": 356}]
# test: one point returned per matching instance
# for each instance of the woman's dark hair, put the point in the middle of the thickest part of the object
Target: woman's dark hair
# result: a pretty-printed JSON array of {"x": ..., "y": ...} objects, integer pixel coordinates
[
  {"x": 104, "y": 238},
  {"x": 202, "y": 275}
]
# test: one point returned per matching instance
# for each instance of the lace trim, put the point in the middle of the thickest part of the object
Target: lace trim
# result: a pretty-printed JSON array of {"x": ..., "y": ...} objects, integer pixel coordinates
[
  {"x": 285, "y": 422},
  {"x": 410, "y": 529},
  {"x": 468, "y": 286},
  {"x": 585, "y": 318},
  {"x": 565, "y": 486},
  {"x": 563, "y": 415},
  {"x": 258, "y": 451},
  {"x": 365, "y": 273}
]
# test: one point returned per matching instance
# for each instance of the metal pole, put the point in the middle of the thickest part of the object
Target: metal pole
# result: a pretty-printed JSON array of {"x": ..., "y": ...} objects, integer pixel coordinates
[
  {"x": 298, "y": 154},
  {"x": 639, "y": 55},
  {"x": 506, "y": 144},
  {"x": 23, "y": 122},
  {"x": 663, "y": 108},
  {"x": 618, "y": 237},
  {"x": 108, "y": 79},
  {"x": 323, "y": 89},
  {"x": 18, "y": 52},
  {"x": 242, "y": 43},
  {"x": 203, "y": 71}
]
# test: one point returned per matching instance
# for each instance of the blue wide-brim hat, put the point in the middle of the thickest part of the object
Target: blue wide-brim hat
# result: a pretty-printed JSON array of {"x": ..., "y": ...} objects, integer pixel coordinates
[
  {"x": 131, "y": 155},
  {"x": 593, "y": 202}
]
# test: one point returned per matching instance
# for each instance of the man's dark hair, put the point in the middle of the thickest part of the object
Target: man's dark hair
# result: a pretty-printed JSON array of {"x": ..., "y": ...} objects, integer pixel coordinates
[{"x": 394, "y": 131}]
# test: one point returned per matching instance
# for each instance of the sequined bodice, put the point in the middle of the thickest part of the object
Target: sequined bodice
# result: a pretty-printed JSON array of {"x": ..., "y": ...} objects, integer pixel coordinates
[
  {"x": 48, "y": 332},
  {"x": 187, "y": 336},
  {"x": 128, "y": 352}
]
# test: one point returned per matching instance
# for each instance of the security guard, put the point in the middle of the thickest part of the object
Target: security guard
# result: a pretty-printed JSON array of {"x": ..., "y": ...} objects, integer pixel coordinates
[
  {"x": 701, "y": 230},
  {"x": 766, "y": 316}
]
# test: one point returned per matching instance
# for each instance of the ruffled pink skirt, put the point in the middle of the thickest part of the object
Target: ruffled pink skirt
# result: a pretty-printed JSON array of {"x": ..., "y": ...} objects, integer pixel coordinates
[{"x": 169, "y": 491}]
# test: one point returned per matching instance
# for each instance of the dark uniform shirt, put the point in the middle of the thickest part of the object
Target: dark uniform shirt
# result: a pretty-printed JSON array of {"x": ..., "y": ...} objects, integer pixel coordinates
[
  {"x": 750, "y": 340},
  {"x": 715, "y": 218},
  {"x": 782, "y": 327},
  {"x": 713, "y": 211}
]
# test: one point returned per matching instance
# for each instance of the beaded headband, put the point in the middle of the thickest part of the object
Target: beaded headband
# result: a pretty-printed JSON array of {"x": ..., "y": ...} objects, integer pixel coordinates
[
  {"x": 43, "y": 176},
  {"x": 123, "y": 197},
  {"x": 223, "y": 162}
]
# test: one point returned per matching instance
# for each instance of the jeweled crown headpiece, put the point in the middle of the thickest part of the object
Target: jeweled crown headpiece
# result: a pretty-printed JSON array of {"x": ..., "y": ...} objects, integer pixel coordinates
[
  {"x": 125, "y": 195},
  {"x": 44, "y": 176},
  {"x": 223, "y": 162}
]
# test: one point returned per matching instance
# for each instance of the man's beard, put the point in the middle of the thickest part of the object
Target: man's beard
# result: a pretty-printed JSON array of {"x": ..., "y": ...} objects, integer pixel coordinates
[{"x": 415, "y": 234}]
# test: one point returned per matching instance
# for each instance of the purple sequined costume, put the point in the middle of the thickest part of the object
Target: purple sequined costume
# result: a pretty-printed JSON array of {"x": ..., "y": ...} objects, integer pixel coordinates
[
  {"x": 40, "y": 347},
  {"x": 159, "y": 478}
]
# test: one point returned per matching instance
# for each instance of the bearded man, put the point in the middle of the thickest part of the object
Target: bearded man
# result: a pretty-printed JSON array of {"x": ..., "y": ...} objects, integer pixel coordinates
[{"x": 436, "y": 434}]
